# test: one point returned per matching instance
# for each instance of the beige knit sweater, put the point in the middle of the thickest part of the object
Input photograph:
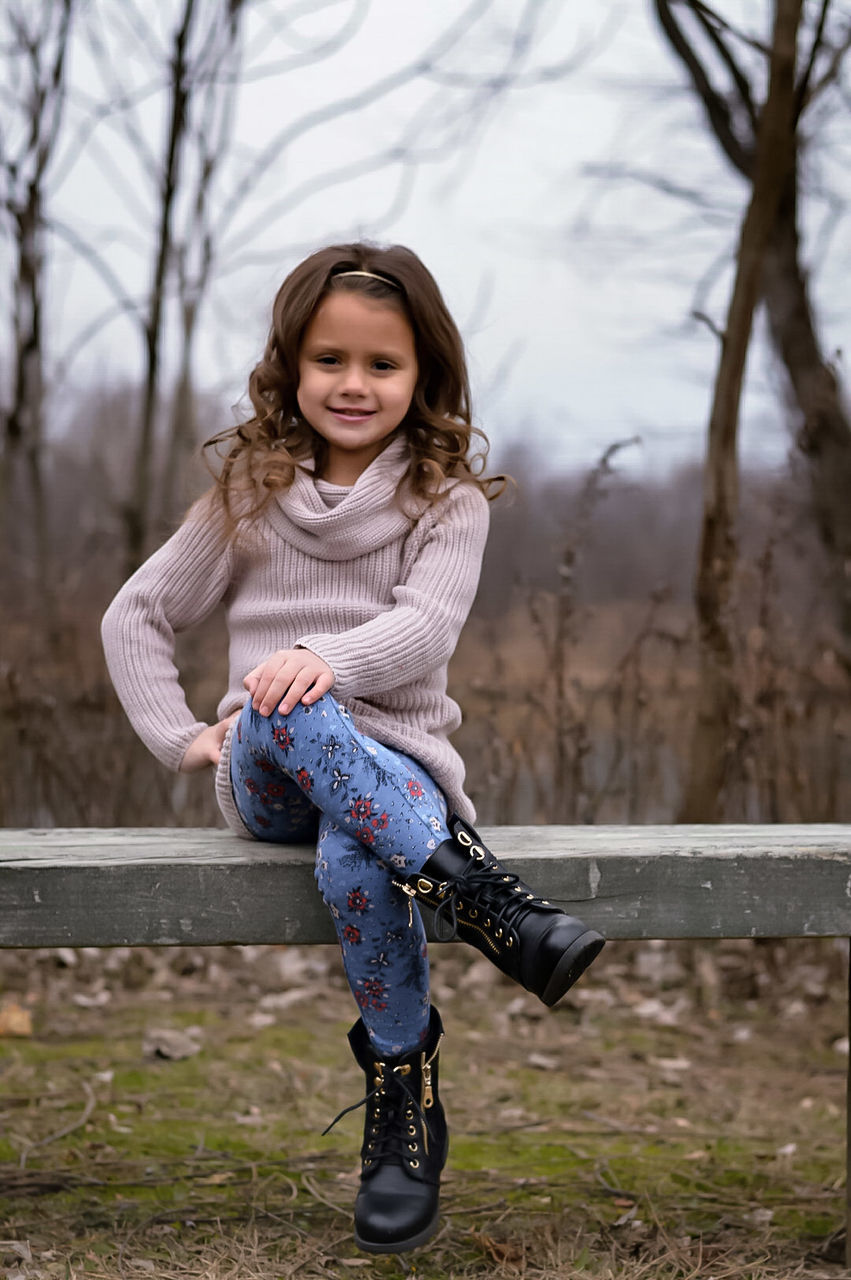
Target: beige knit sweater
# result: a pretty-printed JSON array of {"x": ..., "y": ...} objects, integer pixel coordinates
[{"x": 379, "y": 594}]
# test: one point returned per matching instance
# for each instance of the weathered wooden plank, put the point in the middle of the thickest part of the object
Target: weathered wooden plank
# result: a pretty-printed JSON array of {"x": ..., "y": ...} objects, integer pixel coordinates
[{"x": 98, "y": 887}]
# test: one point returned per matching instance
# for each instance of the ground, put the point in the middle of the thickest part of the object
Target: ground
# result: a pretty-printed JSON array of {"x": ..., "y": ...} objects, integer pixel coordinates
[{"x": 679, "y": 1115}]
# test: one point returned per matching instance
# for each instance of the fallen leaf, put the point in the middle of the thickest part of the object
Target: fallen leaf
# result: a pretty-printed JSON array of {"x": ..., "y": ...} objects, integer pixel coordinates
[
  {"x": 168, "y": 1042},
  {"x": 543, "y": 1062},
  {"x": 20, "y": 1248},
  {"x": 15, "y": 1020}
]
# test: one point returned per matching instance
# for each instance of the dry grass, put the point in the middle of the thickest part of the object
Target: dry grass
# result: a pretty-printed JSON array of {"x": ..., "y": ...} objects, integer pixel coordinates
[{"x": 678, "y": 1117}]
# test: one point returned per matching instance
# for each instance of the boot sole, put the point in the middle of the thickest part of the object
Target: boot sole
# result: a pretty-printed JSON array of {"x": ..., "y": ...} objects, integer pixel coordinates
[
  {"x": 399, "y": 1246},
  {"x": 572, "y": 965}
]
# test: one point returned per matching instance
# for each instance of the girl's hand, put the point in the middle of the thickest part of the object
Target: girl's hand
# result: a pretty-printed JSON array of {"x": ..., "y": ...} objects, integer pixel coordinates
[
  {"x": 290, "y": 676},
  {"x": 207, "y": 747}
]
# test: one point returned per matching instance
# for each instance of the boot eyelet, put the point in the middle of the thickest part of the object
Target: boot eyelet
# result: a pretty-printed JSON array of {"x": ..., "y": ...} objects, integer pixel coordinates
[
  {"x": 506, "y": 879},
  {"x": 464, "y": 839},
  {"x": 412, "y": 1133},
  {"x": 474, "y": 915},
  {"x": 530, "y": 897},
  {"x": 487, "y": 924},
  {"x": 510, "y": 942},
  {"x": 499, "y": 933},
  {"x": 517, "y": 889},
  {"x": 415, "y": 1164},
  {"x": 425, "y": 886},
  {"x": 412, "y": 1146},
  {"x": 545, "y": 903}
]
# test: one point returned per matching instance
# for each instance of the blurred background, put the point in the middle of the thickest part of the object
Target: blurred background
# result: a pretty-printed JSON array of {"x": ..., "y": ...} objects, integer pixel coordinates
[{"x": 663, "y": 630}]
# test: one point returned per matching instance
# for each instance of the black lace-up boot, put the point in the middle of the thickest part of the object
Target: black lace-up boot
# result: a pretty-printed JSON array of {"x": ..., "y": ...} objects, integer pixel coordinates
[
  {"x": 404, "y": 1146},
  {"x": 534, "y": 942}
]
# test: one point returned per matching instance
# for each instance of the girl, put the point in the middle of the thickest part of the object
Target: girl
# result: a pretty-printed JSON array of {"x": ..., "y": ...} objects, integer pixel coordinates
[{"x": 345, "y": 536}]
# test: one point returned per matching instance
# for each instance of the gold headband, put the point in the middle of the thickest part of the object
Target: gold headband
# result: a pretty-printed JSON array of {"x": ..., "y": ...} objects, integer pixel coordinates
[{"x": 338, "y": 275}]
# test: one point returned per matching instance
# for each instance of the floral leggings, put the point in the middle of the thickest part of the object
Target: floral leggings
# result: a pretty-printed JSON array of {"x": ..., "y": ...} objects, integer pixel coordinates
[{"x": 377, "y": 813}]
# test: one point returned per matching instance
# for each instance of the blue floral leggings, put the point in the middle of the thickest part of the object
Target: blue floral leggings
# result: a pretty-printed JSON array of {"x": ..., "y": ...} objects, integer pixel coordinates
[{"x": 377, "y": 813}]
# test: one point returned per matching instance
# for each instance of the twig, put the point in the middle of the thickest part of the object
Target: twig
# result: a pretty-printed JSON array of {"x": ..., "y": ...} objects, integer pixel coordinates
[{"x": 63, "y": 1133}]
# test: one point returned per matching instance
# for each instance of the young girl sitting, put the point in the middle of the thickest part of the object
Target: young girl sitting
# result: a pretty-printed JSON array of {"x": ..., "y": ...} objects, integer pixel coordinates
[{"x": 345, "y": 536}]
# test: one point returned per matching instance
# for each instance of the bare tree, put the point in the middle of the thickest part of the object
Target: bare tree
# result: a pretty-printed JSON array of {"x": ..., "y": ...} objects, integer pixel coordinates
[
  {"x": 713, "y": 53},
  {"x": 209, "y": 197},
  {"x": 718, "y": 697},
  {"x": 34, "y": 45}
]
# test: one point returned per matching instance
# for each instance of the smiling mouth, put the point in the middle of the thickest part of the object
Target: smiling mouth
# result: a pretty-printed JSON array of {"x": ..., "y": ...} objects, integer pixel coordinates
[{"x": 353, "y": 415}]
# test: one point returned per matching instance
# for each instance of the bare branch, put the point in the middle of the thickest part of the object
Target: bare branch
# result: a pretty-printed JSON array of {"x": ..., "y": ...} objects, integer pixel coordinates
[
  {"x": 99, "y": 264},
  {"x": 804, "y": 83},
  {"x": 342, "y": 106},
  {"x": 834, "y": 67},
  {"x": 318, "y": 52},
  {"x": 717, "y": 110},
  {"x": 708, "y": 20}
]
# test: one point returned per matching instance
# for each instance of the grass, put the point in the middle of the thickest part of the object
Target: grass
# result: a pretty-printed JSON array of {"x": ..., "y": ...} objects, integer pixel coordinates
[{"x": 601, "y": 1139}]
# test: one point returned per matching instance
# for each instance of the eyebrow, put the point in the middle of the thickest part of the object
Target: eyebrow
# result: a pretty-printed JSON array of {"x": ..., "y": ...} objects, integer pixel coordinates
[{"x": 330, "y": 348}]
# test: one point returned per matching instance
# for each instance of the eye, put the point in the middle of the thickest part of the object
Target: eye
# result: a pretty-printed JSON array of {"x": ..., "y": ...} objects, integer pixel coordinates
[
  {"x": 383, "y": 366},
  {"x": 328, "y": 360}
]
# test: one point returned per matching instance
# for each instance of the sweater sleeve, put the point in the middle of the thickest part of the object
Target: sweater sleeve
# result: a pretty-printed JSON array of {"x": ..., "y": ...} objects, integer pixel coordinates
[
  {"x": 420, "y": 630},
  {"x": 175, "y": 589}
]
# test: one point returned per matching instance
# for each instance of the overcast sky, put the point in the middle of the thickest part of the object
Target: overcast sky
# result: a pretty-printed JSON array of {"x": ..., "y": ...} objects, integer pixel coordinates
[{"x": 573, "y": 292}]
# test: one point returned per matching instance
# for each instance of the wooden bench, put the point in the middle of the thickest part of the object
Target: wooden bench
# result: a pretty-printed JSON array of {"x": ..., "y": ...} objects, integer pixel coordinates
[{"x": 173, "y": 886}]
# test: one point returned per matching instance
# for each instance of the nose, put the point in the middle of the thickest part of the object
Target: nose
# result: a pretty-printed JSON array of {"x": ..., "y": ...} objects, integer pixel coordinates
[{"x": 354, "y": 380}]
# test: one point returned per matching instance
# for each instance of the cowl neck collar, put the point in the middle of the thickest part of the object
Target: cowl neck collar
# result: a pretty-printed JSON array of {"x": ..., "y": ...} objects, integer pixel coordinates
[{"x": 369, "y": 516}]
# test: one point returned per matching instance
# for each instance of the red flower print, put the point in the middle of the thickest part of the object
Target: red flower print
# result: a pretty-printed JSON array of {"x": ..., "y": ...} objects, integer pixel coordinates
[
  {"x": 265, "y": 766},
  {"x": 357, "y": 900},
  {"x": 362, "y": 999},
  {"x": 304, "y": 780},
  {"x": 365, "y": 835},
  {"x": 380, "y": 823},
  {"x": 414, "y": 789},
  {"x": 361, "y": 808},
  {"x": 275, "y": 789},
  {"x": 352, "y": 934},
  {"x": 251, "y": 787},
  {"x": 283, "y": 737},
  {"x": 261, "y": 821},
  {"x": 377, "y": 991}
]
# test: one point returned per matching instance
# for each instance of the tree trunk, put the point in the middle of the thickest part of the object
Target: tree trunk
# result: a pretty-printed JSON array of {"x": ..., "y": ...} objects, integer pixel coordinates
[
  {"x": 138, "y": 510},
  {"x": 717, "y": 707},
  {"x": 824, "y": 436}
]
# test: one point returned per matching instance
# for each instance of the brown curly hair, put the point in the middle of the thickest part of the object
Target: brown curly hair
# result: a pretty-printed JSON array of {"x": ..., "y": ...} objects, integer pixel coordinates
[{"x": 262, "y": 454}]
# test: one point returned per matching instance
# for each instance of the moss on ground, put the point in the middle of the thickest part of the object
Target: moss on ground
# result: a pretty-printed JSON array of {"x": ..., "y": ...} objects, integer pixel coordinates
[{"x": 585, "y": 1143}]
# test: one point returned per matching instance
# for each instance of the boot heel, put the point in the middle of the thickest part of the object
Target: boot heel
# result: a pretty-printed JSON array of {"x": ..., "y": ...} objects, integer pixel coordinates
[{"x": 571, "y": 966}]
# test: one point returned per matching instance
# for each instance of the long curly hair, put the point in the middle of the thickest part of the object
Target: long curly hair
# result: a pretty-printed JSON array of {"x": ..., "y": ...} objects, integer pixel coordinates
[{"x": 260, "y": 457}]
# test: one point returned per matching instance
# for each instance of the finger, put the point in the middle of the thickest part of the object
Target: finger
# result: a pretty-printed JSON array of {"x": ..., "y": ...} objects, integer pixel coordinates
[
  {"x": 299, "y": 686},
  {"x": 259, "y": 699},
  {"x": 321, "y": 684},
  {"x": 277, "y": 688}
]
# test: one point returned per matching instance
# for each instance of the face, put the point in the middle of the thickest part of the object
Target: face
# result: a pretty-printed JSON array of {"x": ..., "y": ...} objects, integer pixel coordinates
[{"x": 357, "y": 370}]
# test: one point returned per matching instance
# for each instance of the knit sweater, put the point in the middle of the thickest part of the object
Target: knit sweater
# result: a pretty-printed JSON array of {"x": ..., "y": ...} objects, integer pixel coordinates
[{"x": 378, "y": 589}]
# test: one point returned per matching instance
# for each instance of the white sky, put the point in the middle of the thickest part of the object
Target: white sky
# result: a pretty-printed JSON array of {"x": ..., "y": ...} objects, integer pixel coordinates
[{"x": 573, "y": 292}]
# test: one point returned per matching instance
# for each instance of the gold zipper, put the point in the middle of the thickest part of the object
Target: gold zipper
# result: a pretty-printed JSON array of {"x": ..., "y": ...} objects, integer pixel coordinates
[{"x": 427, "y": 1094}]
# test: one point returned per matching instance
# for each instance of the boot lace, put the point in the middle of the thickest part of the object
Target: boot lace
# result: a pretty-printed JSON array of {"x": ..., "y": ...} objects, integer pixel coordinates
[
  {"x": 392, "y": 1132},
  {"x": 489, "y": 887}
]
